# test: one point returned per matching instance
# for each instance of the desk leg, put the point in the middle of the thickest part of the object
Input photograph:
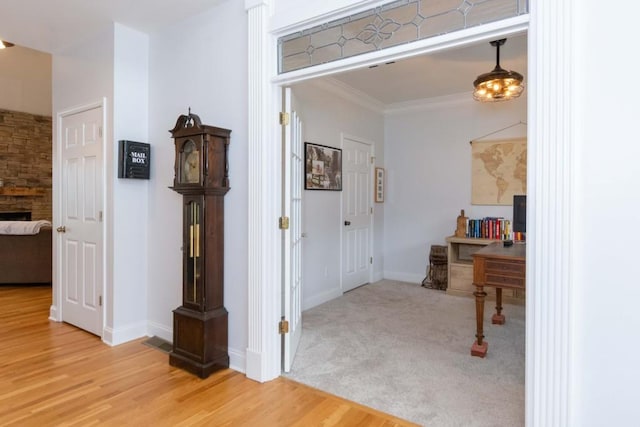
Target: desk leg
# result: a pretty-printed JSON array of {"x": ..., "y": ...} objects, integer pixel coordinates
[
  {"x": 498, "y": 318},
  {"x": 479, "y": 347}
]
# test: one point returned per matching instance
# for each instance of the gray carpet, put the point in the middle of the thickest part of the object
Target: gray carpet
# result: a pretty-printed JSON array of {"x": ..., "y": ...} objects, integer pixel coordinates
[{"x": 404, "y": 350}]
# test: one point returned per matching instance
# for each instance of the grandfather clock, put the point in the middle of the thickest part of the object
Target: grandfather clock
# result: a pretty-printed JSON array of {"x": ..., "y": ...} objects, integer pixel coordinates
[{"x": 202, "y": 177}]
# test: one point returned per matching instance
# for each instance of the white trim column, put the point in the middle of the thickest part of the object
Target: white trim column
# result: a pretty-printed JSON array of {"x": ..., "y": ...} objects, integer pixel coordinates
[
  {"x": 550, "y": 209},
  {"x": 262, "y": 363}
]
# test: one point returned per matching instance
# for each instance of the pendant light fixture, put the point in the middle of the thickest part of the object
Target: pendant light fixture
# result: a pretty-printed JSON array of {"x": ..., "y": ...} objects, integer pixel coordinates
[{"x": 499, "y": 84}]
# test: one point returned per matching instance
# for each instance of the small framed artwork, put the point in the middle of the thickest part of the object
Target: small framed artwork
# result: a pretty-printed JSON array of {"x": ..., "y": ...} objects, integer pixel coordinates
[
  {"x": 323, "y": 167},
  {"x": 379, "y": 183}
]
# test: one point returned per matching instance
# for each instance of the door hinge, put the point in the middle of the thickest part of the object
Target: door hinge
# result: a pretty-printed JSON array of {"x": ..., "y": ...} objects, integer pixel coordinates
[
  {"x": 100, "y": 216},
  {"x": 372, "y": 159},
  {"x": 284, "y": 119},
  {"x": 100, "y": 300},
  {"x": 370, "y": 260},
  {"x": 283, "y": 327},
  {"x": 283, "y": 222},
  {"x": 100, "y": 131},
  {"x": 371, "y": 210}
]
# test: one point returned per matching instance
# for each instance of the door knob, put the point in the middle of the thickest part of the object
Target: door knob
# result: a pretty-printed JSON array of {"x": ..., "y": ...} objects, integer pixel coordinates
[
  {"x": 347, "y": 223},
  {"x": 61, "y": 229}
]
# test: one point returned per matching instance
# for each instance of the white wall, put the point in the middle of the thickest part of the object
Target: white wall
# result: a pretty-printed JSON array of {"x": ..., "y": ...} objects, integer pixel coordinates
[
  {"x": 25, "y": 80},
  {"x": 606, "y": 290},
  {"x": 84, "y": 73},
  {"x": 130, "y": 196},
  {"x": 287, "y": 12},
  {"x": 199, "y": 63},
  {"x": 114, "y": 66},
  {"x": 326, "y": 117},
  {"x": 428, "y": 166}
]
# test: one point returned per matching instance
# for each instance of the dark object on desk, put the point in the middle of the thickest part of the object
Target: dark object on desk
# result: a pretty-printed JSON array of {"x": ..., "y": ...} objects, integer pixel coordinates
[
  {"x": 520, "y": 214},
  {"x": 507, "y": 243}
]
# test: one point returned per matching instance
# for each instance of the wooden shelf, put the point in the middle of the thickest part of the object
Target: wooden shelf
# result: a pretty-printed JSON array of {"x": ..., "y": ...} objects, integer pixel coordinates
[
  {"x": 21, "y": 191},
  {"x": 460, "y": 269}
]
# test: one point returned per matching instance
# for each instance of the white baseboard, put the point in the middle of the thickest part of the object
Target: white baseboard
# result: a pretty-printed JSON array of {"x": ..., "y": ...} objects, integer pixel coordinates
[
  {"x": 377, "y": 276},
  {"x": 404, "y": 277},
  {"x": 253, "y": 366},
  {"x": 237, "y": 360},
  {"x": 162, "y": 331},
  {"x": 54, "y": 314},
  {"x": 316, "y": 300},
  {"x": 121, "y": 335}
]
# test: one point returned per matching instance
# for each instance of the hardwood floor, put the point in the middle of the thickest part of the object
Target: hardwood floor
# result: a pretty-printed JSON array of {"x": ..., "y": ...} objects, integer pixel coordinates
[{"x": 55, "y": 374}]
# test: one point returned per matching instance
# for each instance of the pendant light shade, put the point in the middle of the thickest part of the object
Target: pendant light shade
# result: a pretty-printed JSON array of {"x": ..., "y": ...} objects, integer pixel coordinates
[{"x": 499, "y": 84}]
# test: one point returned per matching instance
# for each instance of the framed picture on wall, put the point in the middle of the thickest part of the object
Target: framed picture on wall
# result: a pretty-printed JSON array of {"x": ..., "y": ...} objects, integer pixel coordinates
[
  {"x": 379, "y": 185},
  {"x": 323, "y": 167}
]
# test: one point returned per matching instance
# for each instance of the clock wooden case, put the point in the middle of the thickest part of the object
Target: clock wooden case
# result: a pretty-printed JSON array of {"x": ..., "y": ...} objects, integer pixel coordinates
[{"x": 201, "y": 175}]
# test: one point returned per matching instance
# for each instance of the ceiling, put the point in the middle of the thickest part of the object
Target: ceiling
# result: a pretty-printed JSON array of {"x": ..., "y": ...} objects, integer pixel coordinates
[
  {"x": 438, "y": 74},
  {"x": 51, "y": 26}
]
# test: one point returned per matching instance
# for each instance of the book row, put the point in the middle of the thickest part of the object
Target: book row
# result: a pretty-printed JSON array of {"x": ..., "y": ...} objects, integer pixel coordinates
[{"x": 489, "y": 228}]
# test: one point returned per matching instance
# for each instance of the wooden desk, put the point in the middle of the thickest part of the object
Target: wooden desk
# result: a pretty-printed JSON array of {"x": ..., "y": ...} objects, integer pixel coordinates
[{"x": 499, "y": 267}]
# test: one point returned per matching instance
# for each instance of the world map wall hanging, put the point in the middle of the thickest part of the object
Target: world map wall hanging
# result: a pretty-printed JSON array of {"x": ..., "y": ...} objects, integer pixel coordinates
[{"x": 498, "y": 171}]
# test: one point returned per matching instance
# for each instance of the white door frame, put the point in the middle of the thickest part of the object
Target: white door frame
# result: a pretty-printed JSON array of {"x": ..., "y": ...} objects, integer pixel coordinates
[
  {"x": 372, "y": 146},
  {"x": 263, "y": 350},
  {"x": 552, "y": 145},
  {"x": 55, "y": 312}
]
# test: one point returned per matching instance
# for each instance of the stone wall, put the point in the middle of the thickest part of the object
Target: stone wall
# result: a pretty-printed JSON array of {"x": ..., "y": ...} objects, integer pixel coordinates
[{"x": 25, "y": 161}]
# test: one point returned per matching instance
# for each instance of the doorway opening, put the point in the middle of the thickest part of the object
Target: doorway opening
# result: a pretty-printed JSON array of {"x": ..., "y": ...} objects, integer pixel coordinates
[{"x": 352, "y": 75}]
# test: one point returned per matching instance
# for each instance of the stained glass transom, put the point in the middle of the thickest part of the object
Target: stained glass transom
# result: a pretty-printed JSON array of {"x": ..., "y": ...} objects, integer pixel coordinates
[{"x": 389, "y": 25}]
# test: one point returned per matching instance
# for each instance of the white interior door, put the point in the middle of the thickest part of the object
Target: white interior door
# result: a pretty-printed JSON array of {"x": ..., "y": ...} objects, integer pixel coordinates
[
  {"x": 356, "y": 214},
  {"x": 80, "y": 234},
  {"x": 293, "y": 163}
]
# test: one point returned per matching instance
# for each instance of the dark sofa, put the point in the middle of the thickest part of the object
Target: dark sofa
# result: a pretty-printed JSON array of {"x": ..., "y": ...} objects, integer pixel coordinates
[{"x": 26, "y": 258}]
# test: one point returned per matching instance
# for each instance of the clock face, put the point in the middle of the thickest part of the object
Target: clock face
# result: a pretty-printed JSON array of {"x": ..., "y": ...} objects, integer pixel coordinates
[{"x": 190, "y": 163}]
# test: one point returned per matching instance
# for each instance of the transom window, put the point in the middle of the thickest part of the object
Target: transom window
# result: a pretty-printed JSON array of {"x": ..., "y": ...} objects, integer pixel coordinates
[{"x": 388, "y": 25}]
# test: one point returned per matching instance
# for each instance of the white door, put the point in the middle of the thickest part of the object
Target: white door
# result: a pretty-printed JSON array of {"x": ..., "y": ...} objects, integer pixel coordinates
[
  {"x": 356, "y": 214},
  {"x": 293, "y": 163},
  {"x": 80, "y": 234}
]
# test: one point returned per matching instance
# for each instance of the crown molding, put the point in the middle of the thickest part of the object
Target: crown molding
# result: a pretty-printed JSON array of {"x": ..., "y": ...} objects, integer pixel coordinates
[
  {"x": 349, "y": 93},
  {"x": 250, "y": 4},
  {"x": 428, "y": 103},
  {"x": 362, "y": 99},
  {"x": 433, "y": 102}
]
